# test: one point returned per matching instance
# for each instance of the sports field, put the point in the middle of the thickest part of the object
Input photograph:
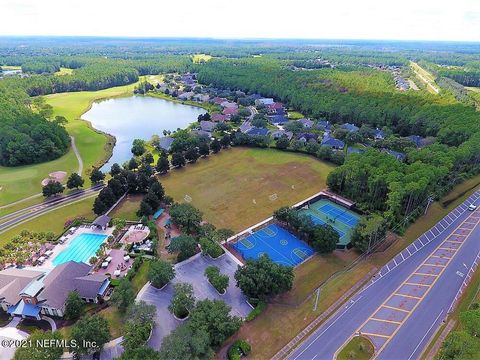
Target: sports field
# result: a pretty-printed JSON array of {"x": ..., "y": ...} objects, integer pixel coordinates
[
  {"x": 340, "y": 218},
  {"x": 281, "y": 247},
  {"x": 239, "y": 187}
]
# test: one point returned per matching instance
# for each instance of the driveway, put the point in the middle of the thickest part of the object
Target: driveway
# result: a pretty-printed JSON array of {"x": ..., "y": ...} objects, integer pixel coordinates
[
  {"x": 10, "y": 333},
  {"x": 192, "y": 271}
]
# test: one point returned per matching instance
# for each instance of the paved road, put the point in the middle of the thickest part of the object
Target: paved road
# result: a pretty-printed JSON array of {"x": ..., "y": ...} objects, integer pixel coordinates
[
  {"x": 404, "y": 304},
  {"x": 31, "y": 212}
]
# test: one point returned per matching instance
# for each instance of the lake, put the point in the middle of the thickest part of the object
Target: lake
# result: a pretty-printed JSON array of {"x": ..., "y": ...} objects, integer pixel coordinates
[{"x": 137, "y": 117}]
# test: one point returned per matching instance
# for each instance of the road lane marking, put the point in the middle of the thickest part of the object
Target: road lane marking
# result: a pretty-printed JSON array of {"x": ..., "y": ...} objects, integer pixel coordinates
[
  {"x": 393, "y": 308},
  {"x": 424, "y": 336},
  {"x": 387, "y": 321},
  {"x": 373, "y": 334},
  {"x": 408, "y": 296}
]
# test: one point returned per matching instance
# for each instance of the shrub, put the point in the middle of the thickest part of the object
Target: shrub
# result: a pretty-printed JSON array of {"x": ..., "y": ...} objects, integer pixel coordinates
[
  {"x": 257, "y": 311},
  {"x": 219, "y": 281},
  {"x": 238, "y": 349}
]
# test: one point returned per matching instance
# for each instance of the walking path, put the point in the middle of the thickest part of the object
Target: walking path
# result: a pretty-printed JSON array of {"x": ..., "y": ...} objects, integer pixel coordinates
[
  {"x": 50, "y": 321},
  {"x": 77, "y": 154}
]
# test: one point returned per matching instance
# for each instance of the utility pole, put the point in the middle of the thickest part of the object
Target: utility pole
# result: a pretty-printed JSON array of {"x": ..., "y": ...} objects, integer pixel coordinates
[{"x": 430, "y": 200}]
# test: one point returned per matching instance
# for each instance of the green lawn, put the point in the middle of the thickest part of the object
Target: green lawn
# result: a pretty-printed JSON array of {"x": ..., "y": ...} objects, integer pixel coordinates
[
  {"x": 64, "y": 71},
  {"x": 359, "y": 348},
  {"x": 128, "y": 208},
  {"x": 234, "y": 188},
  {"x": 53, "y": 221}
]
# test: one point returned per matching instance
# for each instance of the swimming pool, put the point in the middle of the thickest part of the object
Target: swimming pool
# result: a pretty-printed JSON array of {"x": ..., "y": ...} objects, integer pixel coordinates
[{"x": 80, "y": 249}]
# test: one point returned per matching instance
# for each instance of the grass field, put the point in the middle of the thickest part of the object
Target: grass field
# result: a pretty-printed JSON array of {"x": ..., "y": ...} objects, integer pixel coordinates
[
  {"x": 359, "y": 348},
  {"x": 295, "y": 115},
  {"x": 127, "y": 209},
  {"x": 52, "y": 221},
  {"x": 200, "y": 58},
  {"x": 425, "y": 77},
  {"x": 234, "y": 187}
]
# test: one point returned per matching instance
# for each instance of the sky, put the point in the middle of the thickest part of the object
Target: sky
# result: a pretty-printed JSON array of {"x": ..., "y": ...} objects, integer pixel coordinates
[{"x": 305, "y": 19}]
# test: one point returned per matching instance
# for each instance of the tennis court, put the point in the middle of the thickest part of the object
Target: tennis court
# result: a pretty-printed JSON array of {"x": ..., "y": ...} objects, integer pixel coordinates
[
  {"x": 341, "y": 219},
  {"x": 282, "y": 247}
]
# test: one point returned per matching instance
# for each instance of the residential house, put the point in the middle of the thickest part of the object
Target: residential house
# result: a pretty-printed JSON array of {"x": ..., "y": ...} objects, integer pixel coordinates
[
  {"x": 332, "y": 142},
  {"x": 420, "y": 141},
  {"x": 398, "y": 155},
  {"x": 12, "y": 282},
  {"x": 354, "y": 150},
  {"x": 207, "y": 125},
  {"x": 278, "y": 119},
  {"x": 165, "y": 143},
  {"x": 217, "y": 117},
  {"x": 202, "y": 133},
  {"x": 230, "y": 111},
  {"x": 229, "y": 104},
  {"x": 324, "y": 125},
  {"x": 47, "y": 294},
  {"x": 201, "y": 97},
  {"x": 307, "y": 123},
  {"x": 307, "y": 137},
  {"x": 272, "y": 108},
  {"x": 379, "y": 134},
  {"x": 218, "y": 100},
  {"x": 264, "y": 101},
  {"x": 350, "y": 127},
  {"x": 255, "y": 131},
  {"x": 246, "y": 126},
  {"x": 277, "y": 134},
  {"x": 186, "y": 95}
]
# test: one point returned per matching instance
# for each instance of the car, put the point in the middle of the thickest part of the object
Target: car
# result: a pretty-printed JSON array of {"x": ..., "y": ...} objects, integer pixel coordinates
[{"x": 472, "y": 207}]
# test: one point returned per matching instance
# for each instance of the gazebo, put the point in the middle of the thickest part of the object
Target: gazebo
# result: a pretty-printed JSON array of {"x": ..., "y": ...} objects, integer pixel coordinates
[{"x": 101, "y": 222}]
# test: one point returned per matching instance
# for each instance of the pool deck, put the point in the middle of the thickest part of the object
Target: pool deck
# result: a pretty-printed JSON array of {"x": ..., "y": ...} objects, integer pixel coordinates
[{"x": 48, "y": 264}]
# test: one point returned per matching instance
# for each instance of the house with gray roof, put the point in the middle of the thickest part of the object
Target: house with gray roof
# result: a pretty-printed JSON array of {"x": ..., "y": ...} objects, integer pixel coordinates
[
  {"x": 264, "y": 101},
  {"x": 398, "y": 155},
  {"x": 307, "y": 123},
  {"x": 207, "y": 125},
  {"x": 332, "y": 142},
  {"x": 47, "y": 292},
  {"x": 12, "y": 283},
  {"x": 165, "y": 143},
  {"x": 350, "y": 127},
  {"x": 277, "y": 134}
]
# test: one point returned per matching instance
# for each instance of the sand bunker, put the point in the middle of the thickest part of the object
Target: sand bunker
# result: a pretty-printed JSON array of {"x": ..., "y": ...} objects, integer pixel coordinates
[{"x": 54, "y": 176}]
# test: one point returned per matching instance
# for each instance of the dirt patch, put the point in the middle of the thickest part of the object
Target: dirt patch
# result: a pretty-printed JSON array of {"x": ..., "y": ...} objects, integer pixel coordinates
[{"x": 55, "y": 176}]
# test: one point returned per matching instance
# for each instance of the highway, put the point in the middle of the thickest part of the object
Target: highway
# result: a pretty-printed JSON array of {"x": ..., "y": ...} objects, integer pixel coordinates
[
  {"x": 17, "y": 217},
  {"x": 400, "y": 309}
]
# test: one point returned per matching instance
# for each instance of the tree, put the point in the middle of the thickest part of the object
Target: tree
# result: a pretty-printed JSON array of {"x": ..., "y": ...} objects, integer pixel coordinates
[
  {"x": 324, "y": 238},
  {"x": 263, "y": 278},
  {"x": 369, "y": 230},
  {"x": 145, "y": 209},
  {"x": 148, "y": 158},
  {"x": 90, "y": 333},
  {"x": 99, "y": 206},
  {"x": 186, "y": 217},
  {"x": 186, "y": 343},
  {"x": 123, "y": 295},
  {"x": 160, "y": 273},
  {"x": 132, "y": 164},
  {"x": 470, "y": 320},
  {"x": 215, "y": 146},
  {"x": 183, "y": 300},
  {"x": 140, "y": 353},
  {"x": 282, "y": 143},
  {"x": 75, "y": 181},
  {"x": 138, "y": 147},
  {"x": 459, "y": 345},
  {"x": 185, "y": 245},
  {"x": 204, "y": 149},
  {"x": 35, "y": 350},
  {"x": 218, "y": 280},
  {"x": 96, "y": 176},
  {"x": 141, "y": 312},
  {"x": 135, "y": 335},
  {"x": 225, "y": 141},
  {"x": 73, "y": 306},
  {"x": 214, "y": 317},
  {"x": 115, "y": 169},
  {"x": 52, "y": 188},
  {"x": 192, "y": 154},
  {"x": 178, "y": 160},
  {"x": 163, "y": 165}
]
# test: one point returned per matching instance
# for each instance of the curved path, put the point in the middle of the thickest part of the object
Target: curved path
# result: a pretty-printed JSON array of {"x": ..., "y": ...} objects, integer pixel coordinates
[{"x": 77, "y": 154}]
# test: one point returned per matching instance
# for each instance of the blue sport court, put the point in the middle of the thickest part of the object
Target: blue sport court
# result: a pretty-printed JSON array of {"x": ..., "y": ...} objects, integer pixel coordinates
[
  {"x": 80, "y": 249},
  {"x": 281, "y": 246},
  {"x": 341, "y": 219}
]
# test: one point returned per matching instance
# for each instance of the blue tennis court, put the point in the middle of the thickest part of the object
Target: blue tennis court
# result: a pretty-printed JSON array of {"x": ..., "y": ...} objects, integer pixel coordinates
[
  {"x": 281, "y": 246},
  {"x": 80, "y": 249}
]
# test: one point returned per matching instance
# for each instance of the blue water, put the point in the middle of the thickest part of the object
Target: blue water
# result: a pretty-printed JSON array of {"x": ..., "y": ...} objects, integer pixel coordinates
[
  {"x": 80, "y": 249},
  {"x": 281, "y": 247}
]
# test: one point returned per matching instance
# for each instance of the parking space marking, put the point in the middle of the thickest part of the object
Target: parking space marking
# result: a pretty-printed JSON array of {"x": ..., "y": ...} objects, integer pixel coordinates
[{"x": 428, "y": 270}]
